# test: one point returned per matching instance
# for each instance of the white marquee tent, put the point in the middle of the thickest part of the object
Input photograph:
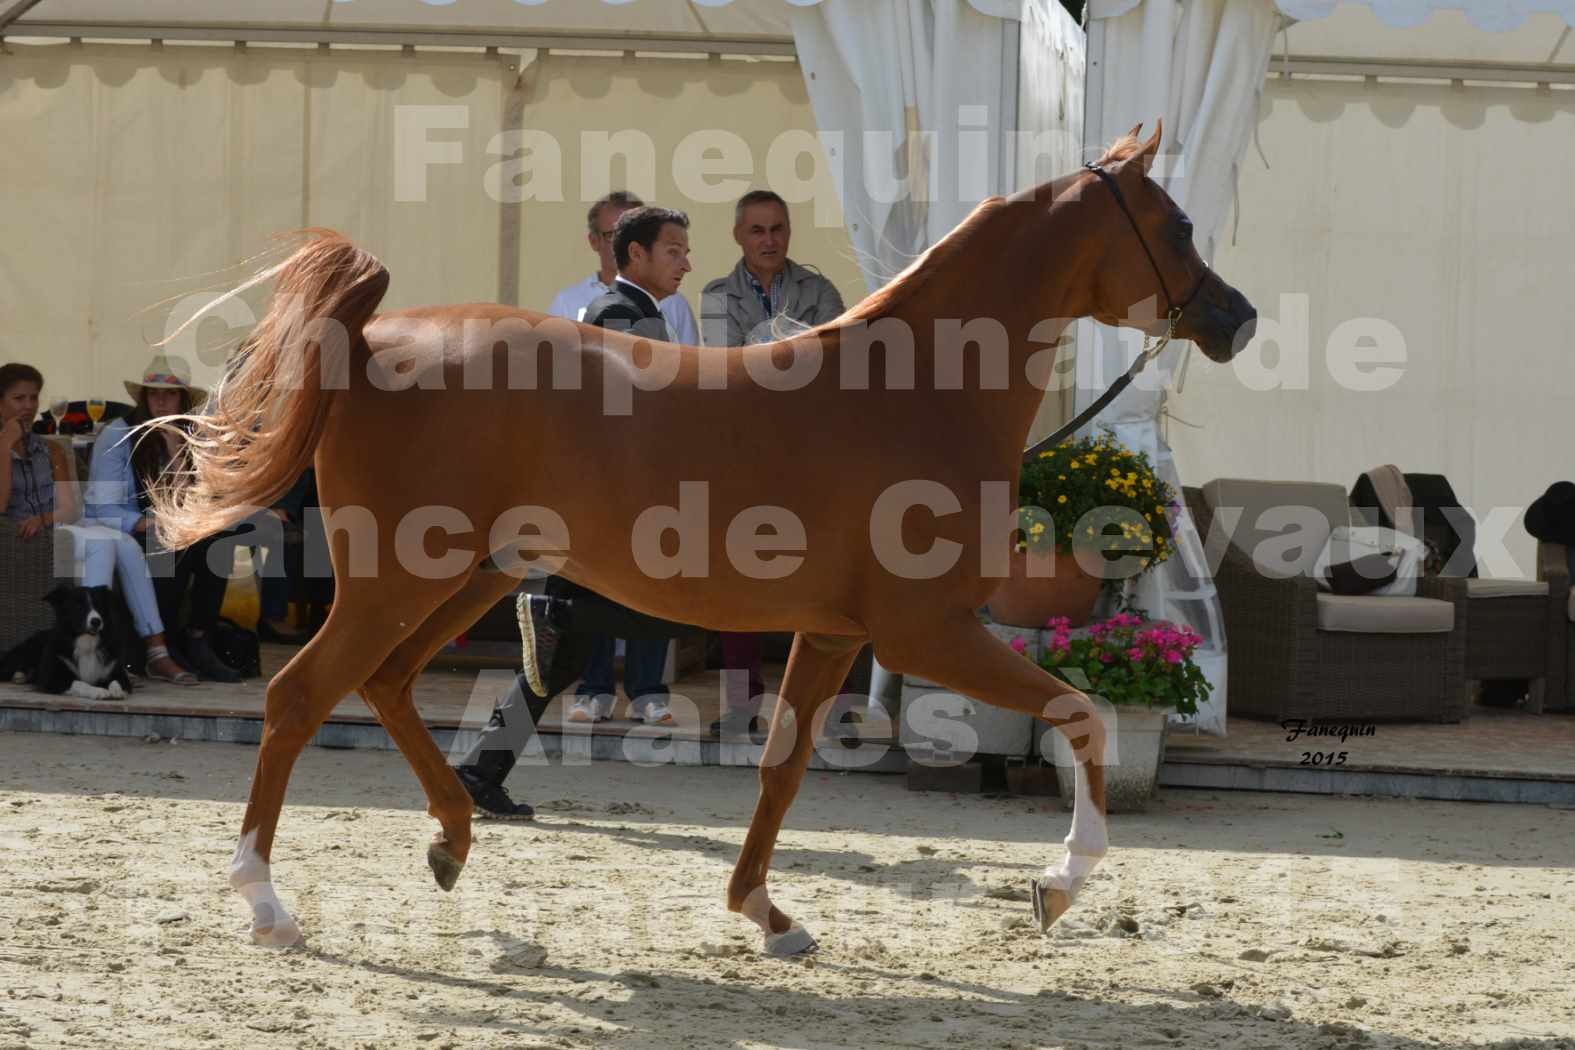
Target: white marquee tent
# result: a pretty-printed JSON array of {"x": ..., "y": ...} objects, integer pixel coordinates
[{"x": 170, "y": 137}]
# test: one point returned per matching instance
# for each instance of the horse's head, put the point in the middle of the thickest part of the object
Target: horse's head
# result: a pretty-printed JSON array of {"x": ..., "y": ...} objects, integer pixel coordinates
[{"x": 1150, "y": 271}]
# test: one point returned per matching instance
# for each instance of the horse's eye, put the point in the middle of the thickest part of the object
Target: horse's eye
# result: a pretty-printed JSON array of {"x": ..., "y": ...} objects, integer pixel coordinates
[{"x": 1184, "y": 230}]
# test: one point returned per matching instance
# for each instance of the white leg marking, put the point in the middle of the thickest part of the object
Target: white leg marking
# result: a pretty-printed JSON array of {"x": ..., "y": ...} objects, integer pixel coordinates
[
  {"x": 757, "y": 909},
  {"x": 271, "y": 924},
  {"x": 87, "y": 692},
  {"x": 1086, "y": 843}
]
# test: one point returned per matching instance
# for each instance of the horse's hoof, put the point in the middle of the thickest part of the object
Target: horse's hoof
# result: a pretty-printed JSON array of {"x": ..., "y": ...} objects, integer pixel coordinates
[
  {"x": 280, "y": 935},
  {"x": 792, "y": 942},
  {"x": 1049, "y": 903},
  {"x": 445, "y": 869}
]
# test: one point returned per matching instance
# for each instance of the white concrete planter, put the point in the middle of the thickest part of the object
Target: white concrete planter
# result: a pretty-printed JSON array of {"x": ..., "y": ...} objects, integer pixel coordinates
[
  {"x": 935, "y": 718},
  {"x": 1134, "y": 749}
]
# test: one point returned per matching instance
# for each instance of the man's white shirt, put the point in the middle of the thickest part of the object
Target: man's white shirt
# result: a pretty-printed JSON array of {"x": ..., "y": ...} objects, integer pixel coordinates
[{"x": 572, "y": 301}]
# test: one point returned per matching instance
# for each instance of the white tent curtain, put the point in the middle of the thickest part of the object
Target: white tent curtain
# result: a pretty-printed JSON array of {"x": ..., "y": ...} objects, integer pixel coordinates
[
  {"x": 1200, "y": 66},
  {"x": 893, "y": 114},
  {"x": 927, "y": 107}
]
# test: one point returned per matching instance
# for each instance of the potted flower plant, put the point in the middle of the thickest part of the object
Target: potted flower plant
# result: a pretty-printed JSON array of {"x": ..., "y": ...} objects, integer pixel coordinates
[
  {"x": 1143, "y": 671},
  {"x": 1077, "y": 501}
]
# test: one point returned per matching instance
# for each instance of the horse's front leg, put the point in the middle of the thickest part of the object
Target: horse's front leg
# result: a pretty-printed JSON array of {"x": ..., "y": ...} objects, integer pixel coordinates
[
  {"x": 975, "y": 663},
  {"x": 816, "y": 668}
]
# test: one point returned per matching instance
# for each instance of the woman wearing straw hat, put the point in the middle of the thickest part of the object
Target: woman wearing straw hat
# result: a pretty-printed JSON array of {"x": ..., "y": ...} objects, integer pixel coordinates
[{"x": 122, "y": 472}]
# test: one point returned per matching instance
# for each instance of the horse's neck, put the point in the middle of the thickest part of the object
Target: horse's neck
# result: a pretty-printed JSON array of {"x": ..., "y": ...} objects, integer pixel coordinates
[{"x": 1019, "y": 263}]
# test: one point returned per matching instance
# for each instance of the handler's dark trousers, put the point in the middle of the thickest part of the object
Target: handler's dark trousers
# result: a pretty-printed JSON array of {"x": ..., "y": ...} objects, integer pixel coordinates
[{"x": 582, "y": 616}]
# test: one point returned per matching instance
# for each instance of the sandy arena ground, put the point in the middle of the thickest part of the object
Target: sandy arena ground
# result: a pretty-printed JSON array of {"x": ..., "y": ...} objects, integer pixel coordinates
[{"x": 1219, "y": 920}]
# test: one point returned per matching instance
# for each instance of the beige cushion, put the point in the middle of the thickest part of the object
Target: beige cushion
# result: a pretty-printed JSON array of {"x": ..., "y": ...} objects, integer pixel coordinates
[
  {"x": 1506, "y": 588},
  {"x": 1364, "y": 614},
  {"x": 1281, "y": 525}
]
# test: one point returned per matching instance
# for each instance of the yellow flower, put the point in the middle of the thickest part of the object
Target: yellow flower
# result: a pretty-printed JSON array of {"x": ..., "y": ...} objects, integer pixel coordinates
[
  {"x": 1046, "y": 455},
  {"x": 1060, "y": 499},
  {"x": 1062, "y": 477},
  {"x": 1075, "y": 464}
]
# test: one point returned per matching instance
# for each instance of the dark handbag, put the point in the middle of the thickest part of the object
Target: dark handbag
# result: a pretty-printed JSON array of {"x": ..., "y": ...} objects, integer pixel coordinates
[
  {"x": 1362, "y": 575},
  {"x": 237, "y": 646}
]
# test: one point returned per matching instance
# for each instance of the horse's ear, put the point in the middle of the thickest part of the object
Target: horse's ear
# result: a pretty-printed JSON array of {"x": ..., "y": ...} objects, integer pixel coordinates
[
  {"x": 1151, "y": 148},
  {"x": 1137, "y": 129}
]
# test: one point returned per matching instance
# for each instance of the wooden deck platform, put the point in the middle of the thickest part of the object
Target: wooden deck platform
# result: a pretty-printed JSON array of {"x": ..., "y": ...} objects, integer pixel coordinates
[{"x": 1495, "y": 755}]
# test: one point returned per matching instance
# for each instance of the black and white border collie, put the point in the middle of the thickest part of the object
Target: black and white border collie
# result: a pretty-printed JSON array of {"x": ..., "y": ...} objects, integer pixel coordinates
[{"x": 89, "y": 651}]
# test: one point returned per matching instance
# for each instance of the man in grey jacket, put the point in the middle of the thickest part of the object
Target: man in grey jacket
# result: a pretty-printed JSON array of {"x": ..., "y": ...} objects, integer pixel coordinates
[
  {"x": 738, "y": 309},
  {"x": 742, "y": 308}
]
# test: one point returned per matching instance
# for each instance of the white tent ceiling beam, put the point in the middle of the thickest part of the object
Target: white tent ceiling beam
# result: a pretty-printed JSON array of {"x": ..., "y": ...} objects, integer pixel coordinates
[
  {"x": 1413, "y": 69},
  {"x": 395, "y": 37}
]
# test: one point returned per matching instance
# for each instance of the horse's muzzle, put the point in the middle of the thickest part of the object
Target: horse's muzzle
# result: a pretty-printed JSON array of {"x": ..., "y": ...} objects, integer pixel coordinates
[{"x": 1222, "y": 321}]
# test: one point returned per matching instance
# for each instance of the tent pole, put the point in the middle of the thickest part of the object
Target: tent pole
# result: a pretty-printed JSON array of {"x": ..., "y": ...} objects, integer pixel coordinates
[
  {"x": 1009, "y": 112},
  {"x": 511, "y": 212},
  {"x": 1094, "y": 90},
  {"x": 15, "y": 11}
]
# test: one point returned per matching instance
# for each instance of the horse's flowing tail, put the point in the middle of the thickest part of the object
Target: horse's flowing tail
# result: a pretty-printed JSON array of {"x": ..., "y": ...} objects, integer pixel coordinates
[{"x": 261, "y": 427}]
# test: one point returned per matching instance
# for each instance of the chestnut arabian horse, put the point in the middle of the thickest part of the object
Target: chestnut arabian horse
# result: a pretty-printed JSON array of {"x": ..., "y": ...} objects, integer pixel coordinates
[{"x": 880, "y": 478}]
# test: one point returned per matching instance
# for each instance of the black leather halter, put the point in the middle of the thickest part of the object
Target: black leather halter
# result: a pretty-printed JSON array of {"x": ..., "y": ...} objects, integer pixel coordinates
[
  {"x": 1172, "y": 317},
  {"x": 1173, "y": 310}
]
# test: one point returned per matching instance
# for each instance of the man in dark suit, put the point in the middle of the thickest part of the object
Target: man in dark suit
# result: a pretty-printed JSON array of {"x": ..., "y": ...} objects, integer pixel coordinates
[
  {"x": 567, "y": 632},
  {"x": 651, "y": 248}
]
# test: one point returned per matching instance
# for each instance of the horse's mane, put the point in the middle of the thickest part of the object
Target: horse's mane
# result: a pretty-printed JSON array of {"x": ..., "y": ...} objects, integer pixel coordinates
[
  {"x": 1119, "y": 150},
  {"x": 922, "y": 269},
  {"x": 905, "y": 284}
]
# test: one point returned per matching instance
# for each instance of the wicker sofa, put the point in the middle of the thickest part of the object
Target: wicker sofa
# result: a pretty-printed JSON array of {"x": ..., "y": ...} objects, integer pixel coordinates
[
  {"x": 1556, "y": 565},
  {"x": 1297, "y": 653}
]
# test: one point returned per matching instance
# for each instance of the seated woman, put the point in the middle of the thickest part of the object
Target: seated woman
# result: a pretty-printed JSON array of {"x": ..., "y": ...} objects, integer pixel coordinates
[
  {"x": 123, "y": 470},
  {"x": 36, "y": 494}
]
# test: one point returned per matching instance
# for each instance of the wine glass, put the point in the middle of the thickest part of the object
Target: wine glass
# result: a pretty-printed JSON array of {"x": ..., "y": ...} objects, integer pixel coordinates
[
  {"x": 58, "y": 408},
  {"x": 95, "y": 411}
]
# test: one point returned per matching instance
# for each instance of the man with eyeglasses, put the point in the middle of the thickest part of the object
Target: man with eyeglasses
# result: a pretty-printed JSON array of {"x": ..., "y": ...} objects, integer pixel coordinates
[{"x": 600, "y": 223}]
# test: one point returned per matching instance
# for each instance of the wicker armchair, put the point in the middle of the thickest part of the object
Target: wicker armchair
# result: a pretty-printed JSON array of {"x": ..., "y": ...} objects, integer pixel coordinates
[
  {"x": 1556, "y": 565},
  {"x": 27, "y": 573},
  {"x": 1283, "y": 665}
]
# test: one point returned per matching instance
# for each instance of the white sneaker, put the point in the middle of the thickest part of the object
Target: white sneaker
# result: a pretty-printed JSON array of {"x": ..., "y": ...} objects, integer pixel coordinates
[
  {"x": 657, "y": 713},
  {"x": 591, "y": 709}
]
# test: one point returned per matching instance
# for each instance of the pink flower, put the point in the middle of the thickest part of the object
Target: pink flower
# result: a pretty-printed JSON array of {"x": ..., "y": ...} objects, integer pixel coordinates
[
  {"x": 1134, "y": 653},
  {"x": 1173, "y": 657},
  {"x": 1019, "y": 646},
  {"x": 1106, "y": 657},
  {"x": 1058, "y": 622}
]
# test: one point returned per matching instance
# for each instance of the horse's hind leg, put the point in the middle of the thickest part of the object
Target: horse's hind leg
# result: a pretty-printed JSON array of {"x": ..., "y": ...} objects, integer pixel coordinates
[
  {"x": 815, "y": 670},
  {"x": 389, "y": 694},
  {"x": 961, "y": 654},
  {"x": 368, "y": 619}
]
